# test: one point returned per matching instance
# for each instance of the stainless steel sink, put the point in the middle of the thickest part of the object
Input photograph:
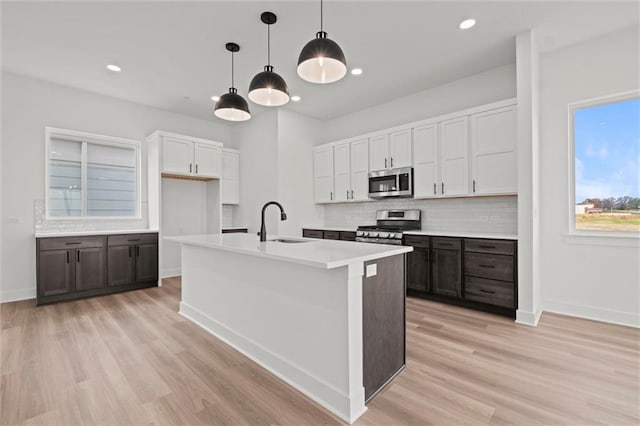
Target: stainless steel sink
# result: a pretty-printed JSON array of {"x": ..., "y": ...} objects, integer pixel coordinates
[{"x": 287, "y": 240}]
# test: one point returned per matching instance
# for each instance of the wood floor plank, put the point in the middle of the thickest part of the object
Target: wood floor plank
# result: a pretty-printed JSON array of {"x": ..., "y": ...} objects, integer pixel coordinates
[{"x": 130, "y": 358}]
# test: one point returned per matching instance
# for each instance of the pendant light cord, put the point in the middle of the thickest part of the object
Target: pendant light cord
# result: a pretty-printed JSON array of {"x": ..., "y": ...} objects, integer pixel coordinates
[
  {"x": 321, "y": 17},
  {"x": 232, "y": 80},
  {"x": 269, "y": 44}
]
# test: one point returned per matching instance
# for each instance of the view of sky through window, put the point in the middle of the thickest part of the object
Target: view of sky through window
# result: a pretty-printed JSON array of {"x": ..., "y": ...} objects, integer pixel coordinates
[{"x": 607, "y": 166}]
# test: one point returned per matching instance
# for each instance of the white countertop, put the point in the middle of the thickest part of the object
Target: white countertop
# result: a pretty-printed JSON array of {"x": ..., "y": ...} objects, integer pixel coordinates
[
  {"x": 326, "y": 254},
  {"x": 85, "y": 233},
  {"x": 463, "y": 234}
]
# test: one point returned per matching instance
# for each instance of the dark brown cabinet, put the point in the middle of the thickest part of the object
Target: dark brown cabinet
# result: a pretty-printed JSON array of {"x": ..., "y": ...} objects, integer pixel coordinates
[
  {"x": 383, "y": 324},
  {"x": 447, "y": 267},
  {"x": 472, "y": 272},
  {"x": 329, "y": 234},
  {"x": 75, "y": 267}
]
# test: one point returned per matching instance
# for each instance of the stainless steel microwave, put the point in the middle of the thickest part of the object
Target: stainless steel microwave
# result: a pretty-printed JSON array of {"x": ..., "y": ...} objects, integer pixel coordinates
[{"x": 391, "y": 183}]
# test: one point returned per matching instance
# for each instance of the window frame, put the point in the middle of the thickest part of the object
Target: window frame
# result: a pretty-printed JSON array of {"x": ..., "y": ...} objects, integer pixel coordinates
[
  {"x": 92, "y": 138},
  {"x": 589, "y": 236}
]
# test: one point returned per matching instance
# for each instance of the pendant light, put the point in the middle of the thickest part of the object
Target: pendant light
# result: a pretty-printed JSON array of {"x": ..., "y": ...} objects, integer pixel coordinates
[
  {"x": 232, "y": 106},
  {"x": 268, "y": 88},
  {"x": 322, "y": 60}
]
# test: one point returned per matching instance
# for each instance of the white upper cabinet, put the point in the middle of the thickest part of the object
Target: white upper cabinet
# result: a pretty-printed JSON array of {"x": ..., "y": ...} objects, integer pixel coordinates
[
  {"x": 191, "y": 157},
  {"x": 454, "y": 157},
  {"x": 425, "y": 160},
  {"x": 207, "y": 160},
  {"x": 177, "y": 156},
  {"x": 400, "y": 149},
  {"x": 323, "y": 174},
  {"x": 379, "y": 152},
  {"x": 342, "y": 172},
  {"x": 359, "y": 170},
  {"x": 230, "y": 182},
  {"x": 493, "y": 151}
]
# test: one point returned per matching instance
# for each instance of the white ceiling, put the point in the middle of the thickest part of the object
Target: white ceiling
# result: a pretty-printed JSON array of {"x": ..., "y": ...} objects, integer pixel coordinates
[{"x": 172, "y": 50}]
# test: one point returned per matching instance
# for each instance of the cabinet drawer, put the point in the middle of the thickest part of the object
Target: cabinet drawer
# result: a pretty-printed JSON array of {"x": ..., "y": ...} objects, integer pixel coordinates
[
  {"x": 494, "y": 266},
  {"x": 416, "y": 241},
  {"x": 57, "y": 243},
  {"x": 446, "y": 243},
  {"x": 131, "y": 239},
  {"x": 331, "y": 235},
  {"x": 347, "y": 236},
  {"x": 312, "y": 233},
  {"x": 490, "y": 246},
  {"x": 482, "y": 290}
]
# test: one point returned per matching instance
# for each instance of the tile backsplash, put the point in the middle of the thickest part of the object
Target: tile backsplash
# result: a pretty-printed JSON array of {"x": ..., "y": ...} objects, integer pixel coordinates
[
  {"x": 481, "y": 214},
  {"x": 43, "y": 225},
  {"x": 228, "y": 212}
]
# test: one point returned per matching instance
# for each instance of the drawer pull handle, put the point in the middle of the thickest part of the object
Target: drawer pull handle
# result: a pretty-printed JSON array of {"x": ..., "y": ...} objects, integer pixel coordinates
[
  {"x": 136, "y": 239},
  {"x": 73, "y": 244},
  {"x": 487, "y": 266},
  {"x": 488, "y": 247},
  {"x": 487, "y": 291}
]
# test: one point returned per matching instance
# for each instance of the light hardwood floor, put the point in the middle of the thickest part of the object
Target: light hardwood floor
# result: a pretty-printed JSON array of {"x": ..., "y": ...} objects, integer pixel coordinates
[{"x": 131, "y": 359}]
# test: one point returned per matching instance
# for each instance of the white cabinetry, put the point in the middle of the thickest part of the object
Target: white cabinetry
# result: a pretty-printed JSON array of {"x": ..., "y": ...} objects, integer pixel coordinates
[
  {"x": 359, "y": 169},
  {"x": 390, "y": 150},
  {"x": 323, "y": 174},
  {"x": 230, "y": 183},
  {"x": 342, "y": 172},
  {"x": 187, "y": 157},
  {"x": 493, "y": 151},
  {"x": 454, "y": 157},
  {"x": 426, "y": 175}
]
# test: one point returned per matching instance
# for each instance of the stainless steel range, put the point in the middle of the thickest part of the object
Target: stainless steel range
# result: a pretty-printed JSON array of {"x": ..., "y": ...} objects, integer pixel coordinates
[{"x": 389, "y": 227}]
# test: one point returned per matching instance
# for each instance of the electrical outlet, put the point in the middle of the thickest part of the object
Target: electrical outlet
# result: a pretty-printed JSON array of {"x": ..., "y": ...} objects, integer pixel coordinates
[
  {"x": 372, "y": 270},
  {"x": 484, "y": 218},
  {"x": 13, "y": 219},
  {"x": 495, "y": 218}
]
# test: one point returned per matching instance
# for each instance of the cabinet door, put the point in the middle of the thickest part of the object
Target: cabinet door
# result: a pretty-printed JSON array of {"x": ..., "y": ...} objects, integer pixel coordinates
[
  {"x": 177, "y": 156},
  {"x": 230, "y": 182},
  {"x": 360, "y": 170},
  {"x": 454, "y": 157},
  {"x": 323, "y": 174},
  {"x": 447, "y": 273},
  {"x": 342, "y": 172},
  {"x": 146, "y": 262},
  {"x": 54, "y": 272},
  {"x": 425, "y": 161},
  {"x": 493, "y": 151},
  {"x": 90, "y": 268},
  {"x": 400, "y": 149},
  {"x": 379, "y": 152},
  {"x": 418, "y": 268},
  {"x": 207, "y": 160},
  {"x": 120, "y": 265}
]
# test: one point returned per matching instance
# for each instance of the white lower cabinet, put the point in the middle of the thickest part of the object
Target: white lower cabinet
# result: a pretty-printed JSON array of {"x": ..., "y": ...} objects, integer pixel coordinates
[
  {"x": 230, "y": 182},
  {"x": 493, "y": 151}
]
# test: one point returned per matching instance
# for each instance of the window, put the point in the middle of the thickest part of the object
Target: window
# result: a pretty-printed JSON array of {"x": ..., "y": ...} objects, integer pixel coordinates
[
  {"x": 606, "y": 165},
  {"x": 91, "y": 176}
]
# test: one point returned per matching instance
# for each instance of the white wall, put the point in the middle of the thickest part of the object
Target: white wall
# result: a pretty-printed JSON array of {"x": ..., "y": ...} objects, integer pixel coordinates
[
  {"x": 490, "y": 86},
  {"x": 297, "y": 135},
  {"x": 583, "y": 276},
  {"x": 28, "y": 106},
  {"x": 257, "y": 140}
]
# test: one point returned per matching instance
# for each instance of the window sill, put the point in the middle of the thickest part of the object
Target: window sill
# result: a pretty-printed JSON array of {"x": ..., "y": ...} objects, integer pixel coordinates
[{"x": 603, "y": 239}]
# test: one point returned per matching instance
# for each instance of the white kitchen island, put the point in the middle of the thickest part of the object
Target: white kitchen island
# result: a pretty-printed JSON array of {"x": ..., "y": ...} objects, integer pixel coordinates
[{"x": 296, "y": 308}]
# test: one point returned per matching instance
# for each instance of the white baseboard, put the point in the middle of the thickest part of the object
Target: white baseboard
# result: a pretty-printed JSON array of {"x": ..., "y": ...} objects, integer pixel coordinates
[
  {"x": 631, "y": 319},
  {"x": 171, "y": 272},
  {"x": 528, "y": 318},
  {"x": 16, "y": 295},
  {"x": 315, "y": 388}
]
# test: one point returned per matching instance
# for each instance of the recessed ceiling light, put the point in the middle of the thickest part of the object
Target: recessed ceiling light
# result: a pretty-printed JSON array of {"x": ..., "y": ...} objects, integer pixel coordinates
[
  {"x": 356, "y": 71},
  {"x": 215, "y": 98},
  {"x": 467, "y": 23},
  {"x": 114, "y": 68},
  {"x": 296, "y": 98}
]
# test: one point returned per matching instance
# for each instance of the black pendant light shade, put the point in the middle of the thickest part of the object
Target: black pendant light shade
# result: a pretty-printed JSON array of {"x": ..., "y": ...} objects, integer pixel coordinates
[
  {"x": 322, "y": 60},
  {"x": 268, "y": 88},
  {"x": 232, "y": 106}
]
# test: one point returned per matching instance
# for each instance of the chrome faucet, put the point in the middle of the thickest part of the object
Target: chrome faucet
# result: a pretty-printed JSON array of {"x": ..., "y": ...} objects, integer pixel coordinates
[{"x": 263, "y": 229}]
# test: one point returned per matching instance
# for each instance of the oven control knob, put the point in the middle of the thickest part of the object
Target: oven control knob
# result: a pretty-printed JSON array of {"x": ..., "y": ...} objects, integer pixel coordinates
[
  {"x": 365, "y": 234},
  {"x": 398, "y": 236},
  {"x": 384, "y": 235}
]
